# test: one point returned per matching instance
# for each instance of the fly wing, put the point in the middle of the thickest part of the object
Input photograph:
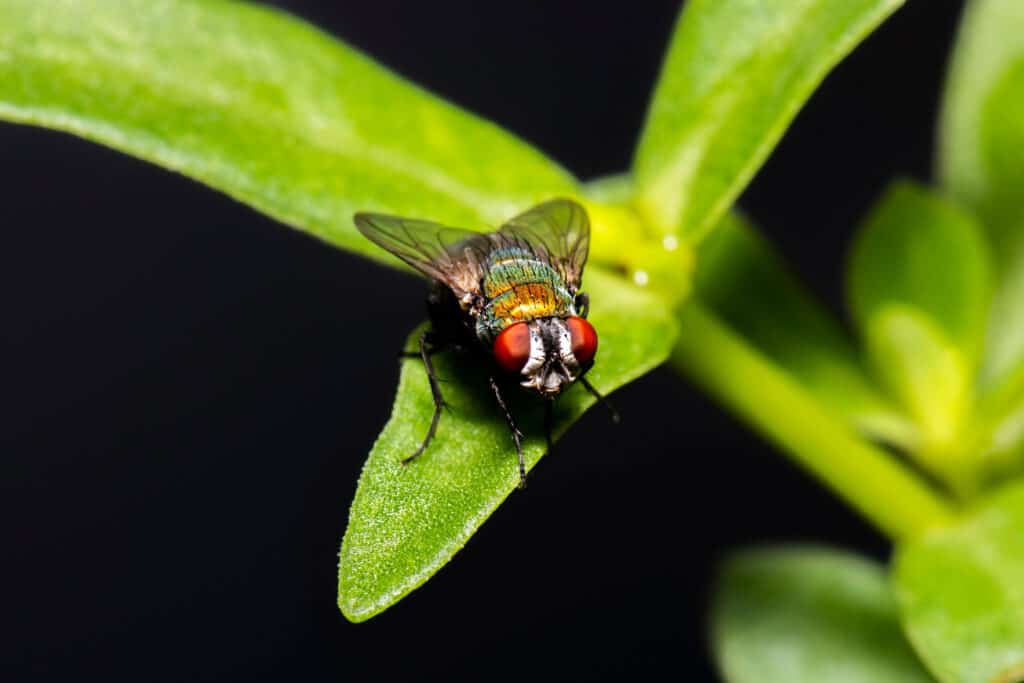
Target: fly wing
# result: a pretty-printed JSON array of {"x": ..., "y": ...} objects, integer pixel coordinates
[
  {"x": 453, "y": 256},
  {"x": 558, "y": 231}
]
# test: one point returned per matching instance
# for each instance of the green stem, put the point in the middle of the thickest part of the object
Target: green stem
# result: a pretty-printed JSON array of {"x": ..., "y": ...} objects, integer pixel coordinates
[{"x": 888, "y": 494}]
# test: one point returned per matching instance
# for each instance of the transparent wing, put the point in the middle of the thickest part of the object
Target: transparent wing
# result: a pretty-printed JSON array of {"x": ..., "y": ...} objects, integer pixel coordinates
[
  {"x": 453, "y": 256},
  {"x": 557, "y": 230}
]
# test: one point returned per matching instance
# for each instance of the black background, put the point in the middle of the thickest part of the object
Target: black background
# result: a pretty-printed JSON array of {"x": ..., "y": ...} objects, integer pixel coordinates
[{"x": 190, "y": 389}]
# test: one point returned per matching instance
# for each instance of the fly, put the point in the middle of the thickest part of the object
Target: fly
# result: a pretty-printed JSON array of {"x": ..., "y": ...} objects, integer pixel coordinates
[{"x": 513, "y": 296}]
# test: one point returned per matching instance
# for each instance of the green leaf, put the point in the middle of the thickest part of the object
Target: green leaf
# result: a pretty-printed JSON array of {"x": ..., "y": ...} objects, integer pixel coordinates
[
  {"x": 980, "y": 125},
  {"x": 961, "y": 592},
  {"x": 1005, "y": 350},
  {"x": 407, "y": 522},
  {"x": 998, "y": 427},
  {"x": 920, "y": 251},
  {"x": 734, "y": 77},
  {"x": 981, "y": 133},
  {"x": 264, "y": 108},
  {"x": 741, "y": 278},
  {"x": 808, "y": 615},
  {"x": 919, "y": 287},
  {"x": 928, "y": 375}
]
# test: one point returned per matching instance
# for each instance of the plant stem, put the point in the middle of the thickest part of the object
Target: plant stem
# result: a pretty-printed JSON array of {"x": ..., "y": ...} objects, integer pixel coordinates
[{"x": 889, "y": 495}]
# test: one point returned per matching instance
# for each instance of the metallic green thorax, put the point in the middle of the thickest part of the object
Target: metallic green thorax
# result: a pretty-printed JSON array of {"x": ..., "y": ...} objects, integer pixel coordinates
[{"x": 520, "y": 287}]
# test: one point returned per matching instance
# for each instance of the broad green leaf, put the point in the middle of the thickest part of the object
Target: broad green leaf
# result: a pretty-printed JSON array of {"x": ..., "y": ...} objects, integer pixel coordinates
[
  {"x": 961, "y": 592},
  {"x": 741, "y": 278},
  {"x": 407, "y": 522},
  {"x": 264, "y": 108},
  {"x": 734, "y": 77},
  {"x": 981, "y": 135},
  {"x": 920, "y": 251},
  {"x": 929, "y": 377},
  {"x": 808, "y": 615}
]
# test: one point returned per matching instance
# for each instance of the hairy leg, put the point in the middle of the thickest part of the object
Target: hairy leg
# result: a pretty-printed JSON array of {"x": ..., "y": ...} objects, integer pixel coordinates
[
  {"x": 601, "y": 399},
  {"x": 435, "y": 390},
  {"x": 517, "y": 436}
]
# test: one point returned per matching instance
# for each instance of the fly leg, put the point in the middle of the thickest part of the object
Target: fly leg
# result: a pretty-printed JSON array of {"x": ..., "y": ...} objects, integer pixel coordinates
[
  {"x": 427, "y": 338},
  {"x": 435, "y": 391},
  {"x": 517, "y": 436},
  {"x": 601, "y": 399}
]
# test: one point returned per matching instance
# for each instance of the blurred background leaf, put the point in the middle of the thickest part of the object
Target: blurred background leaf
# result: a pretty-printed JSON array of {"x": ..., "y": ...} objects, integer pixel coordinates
[
  {"x": 927, "y": 374},
  {"x": 980, "y": 138},
  {"x": 961, "y": 591},
  {"x": 794, "y": 614},
  {"x": 918, "y": 250},
  {"x": 919, "y": 287}
]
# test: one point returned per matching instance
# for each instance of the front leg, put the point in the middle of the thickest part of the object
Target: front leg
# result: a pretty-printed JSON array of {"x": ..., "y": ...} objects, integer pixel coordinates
[
  {"x": 435, "y": 391},
  {"x": 517, "y": 436},
  {"x": 601, "y": 399}
]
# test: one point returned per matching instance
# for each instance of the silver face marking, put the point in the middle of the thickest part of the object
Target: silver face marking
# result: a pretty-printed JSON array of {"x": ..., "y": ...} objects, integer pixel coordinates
[
  {"x": 565, "y": 353},
  {"x": 552, "y": 366},
  {"x": 537, "y": 352}
]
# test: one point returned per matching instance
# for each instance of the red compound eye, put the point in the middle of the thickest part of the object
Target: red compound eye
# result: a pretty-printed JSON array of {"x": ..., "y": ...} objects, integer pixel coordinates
[
  {"x": 584, "y": 340},
  {"x": 512, "y": 347}
]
